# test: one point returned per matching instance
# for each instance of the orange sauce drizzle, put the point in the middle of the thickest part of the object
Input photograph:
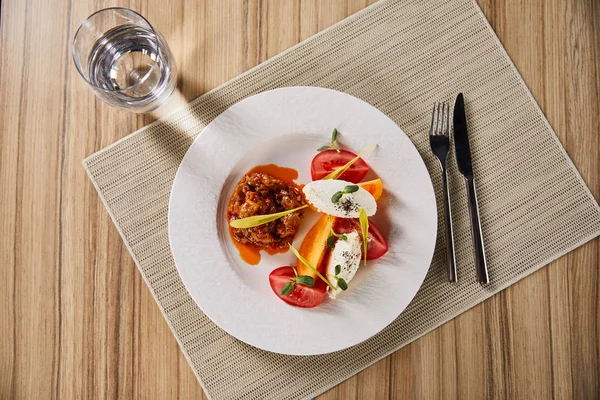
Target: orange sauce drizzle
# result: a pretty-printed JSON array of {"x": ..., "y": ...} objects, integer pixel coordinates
[
  {"x": 285, "y": 174},
  {"x": 251, "y": 253}
]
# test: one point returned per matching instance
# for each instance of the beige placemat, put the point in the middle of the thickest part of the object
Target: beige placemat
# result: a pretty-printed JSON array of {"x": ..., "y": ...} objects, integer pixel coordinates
[{"x": 400, "y": 56}]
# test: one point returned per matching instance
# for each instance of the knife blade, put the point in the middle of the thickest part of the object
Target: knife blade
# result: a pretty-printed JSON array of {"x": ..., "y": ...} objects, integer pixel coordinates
[
  {"x": 465, "y": 166},
  {"x": 461, "y": 139}
]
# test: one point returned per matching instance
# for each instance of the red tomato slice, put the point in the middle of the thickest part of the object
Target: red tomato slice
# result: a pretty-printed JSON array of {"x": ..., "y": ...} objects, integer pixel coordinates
[
  {"x": 327, "y": 161},
  {"x": 301, "y": 296},
  {"x": 376, "y": 247}
]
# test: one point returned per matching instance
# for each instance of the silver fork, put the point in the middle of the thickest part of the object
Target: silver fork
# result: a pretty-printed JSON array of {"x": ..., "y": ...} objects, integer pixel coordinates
[{"x": 439, "y": 139}]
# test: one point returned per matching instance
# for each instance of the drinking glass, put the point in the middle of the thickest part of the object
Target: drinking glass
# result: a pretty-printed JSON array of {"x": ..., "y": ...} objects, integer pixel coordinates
[{"x": 124, "y": 60}]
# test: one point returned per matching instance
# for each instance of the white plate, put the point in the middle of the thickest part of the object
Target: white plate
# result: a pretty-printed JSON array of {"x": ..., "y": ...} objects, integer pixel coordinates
[{"x": 285, "y": 127}]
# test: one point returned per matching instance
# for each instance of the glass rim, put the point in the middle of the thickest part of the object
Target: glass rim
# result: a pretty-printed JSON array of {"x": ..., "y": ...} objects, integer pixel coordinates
[{"x": 155, "y": 39}]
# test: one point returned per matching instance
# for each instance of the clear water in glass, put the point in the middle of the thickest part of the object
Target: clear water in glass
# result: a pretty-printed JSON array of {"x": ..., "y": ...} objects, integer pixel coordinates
[{"x": 124, "y": 60}]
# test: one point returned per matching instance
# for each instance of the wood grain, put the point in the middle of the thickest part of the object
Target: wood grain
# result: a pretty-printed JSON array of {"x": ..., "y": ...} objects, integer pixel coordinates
[{"x": 78, "y": 322}]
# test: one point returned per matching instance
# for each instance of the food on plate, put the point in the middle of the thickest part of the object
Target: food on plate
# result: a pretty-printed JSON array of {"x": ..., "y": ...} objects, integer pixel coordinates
[
  {"x": 251, "y": 254},
  {"x": 284, "y": 280},
  {"x": 338, "y": 164},
  {"x": 364, "y": 230},
  {"x": 375, "y": 187},
  {"x": 331, "y": 146},
  {"x": 339, "y": 198},
  {"x": 259, "y": 194},
  {"x": 256, "y": 220},
  {"x": 266, "y": 209},
  {"x": 313, "y": 246},
  {"x": 309, "y": 265},
  {"x": 376, "y": 244},
  {"x": 327, "y": 161},
  {"x": 344, "y": 262}
]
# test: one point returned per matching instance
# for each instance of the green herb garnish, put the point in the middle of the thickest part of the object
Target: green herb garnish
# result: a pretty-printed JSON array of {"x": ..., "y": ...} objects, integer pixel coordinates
[
  {"x": 331, "y": 238},
  {"x": 256, "y": 220},
  {"x": 364, "y": 227},
  {"x": 339, "y": 171},
  {"x": 332, "y": 146},
  {"x": 305, "y": 280},
  {"x": 305, "y": 262},
  {"x": 287, "y": 288},
  {"x": 334, "y": 135},
  {"x": 342, "y": 284},
  {"x": 338, "y": 195},
  {"x": 299, "y": 279},
  {"x": 331, "y": 242}
]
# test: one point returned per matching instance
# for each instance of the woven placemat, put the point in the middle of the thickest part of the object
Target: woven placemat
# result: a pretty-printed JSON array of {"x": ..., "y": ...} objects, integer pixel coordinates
[{"x": 400, "y": 56}]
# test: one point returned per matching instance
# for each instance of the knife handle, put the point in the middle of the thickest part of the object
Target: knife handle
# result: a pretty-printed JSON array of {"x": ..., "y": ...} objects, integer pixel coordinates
[
  {"x": 478, "y": 248},
  {"x": 449, "y": 234}
]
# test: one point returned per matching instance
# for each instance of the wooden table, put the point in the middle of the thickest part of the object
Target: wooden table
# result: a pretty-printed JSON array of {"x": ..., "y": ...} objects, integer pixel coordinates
[{"x": 77, "y": 320}]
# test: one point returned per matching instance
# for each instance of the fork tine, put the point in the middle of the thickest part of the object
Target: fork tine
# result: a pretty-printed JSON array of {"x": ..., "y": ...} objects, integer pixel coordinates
[
  {"x": 441, "y": 131},
  {"x": 432, "y": 119},
  {"x": 437, "y": 122}
]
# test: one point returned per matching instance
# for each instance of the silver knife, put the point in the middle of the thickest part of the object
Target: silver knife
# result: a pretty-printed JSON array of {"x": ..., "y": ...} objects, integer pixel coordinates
[{"x": 465, "y": 166}]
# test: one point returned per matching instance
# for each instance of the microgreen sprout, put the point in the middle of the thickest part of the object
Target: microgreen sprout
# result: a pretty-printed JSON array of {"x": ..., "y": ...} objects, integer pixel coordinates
[
  {"x": 299, "y": 279},
  {"x": 348, "y": 189},
  {"x": 341, "y": 282},
  {"x": 331, "y": 238},
  {"x": 331, "y": 146}
]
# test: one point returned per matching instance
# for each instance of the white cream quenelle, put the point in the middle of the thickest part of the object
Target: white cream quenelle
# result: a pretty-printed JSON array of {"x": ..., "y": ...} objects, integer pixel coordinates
[
  {"x": 320, "y": 193},
  {"x": 346, "y": 254}
]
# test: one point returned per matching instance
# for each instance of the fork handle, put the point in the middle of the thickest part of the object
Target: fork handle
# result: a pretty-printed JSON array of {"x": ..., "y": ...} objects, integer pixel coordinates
[
  {"x": 478, "y": 248},
  {"x": 449, "y": 233}
]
